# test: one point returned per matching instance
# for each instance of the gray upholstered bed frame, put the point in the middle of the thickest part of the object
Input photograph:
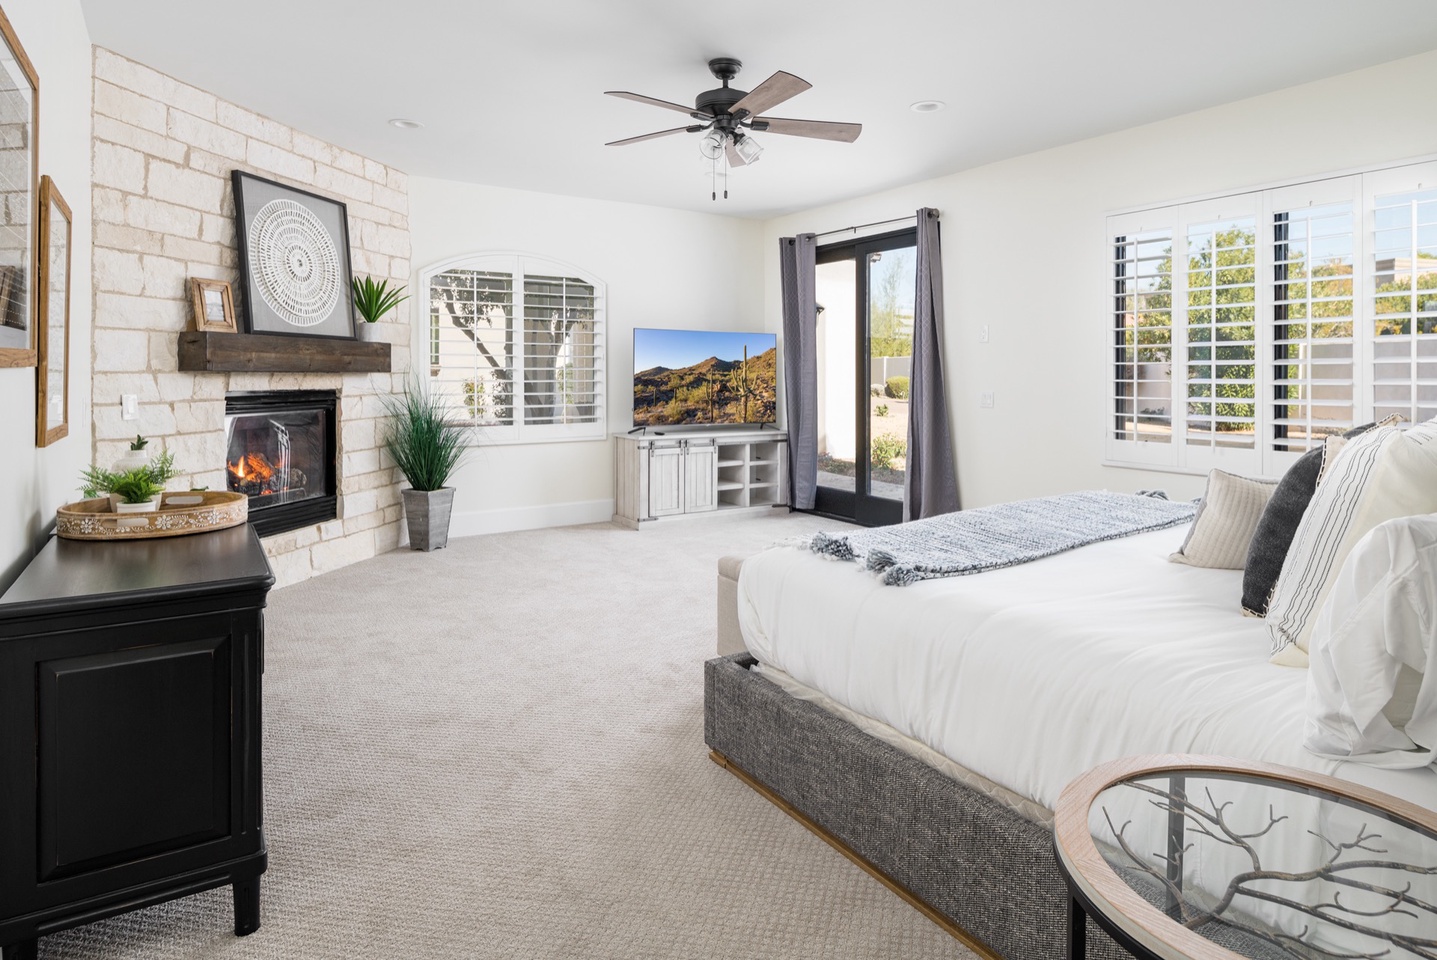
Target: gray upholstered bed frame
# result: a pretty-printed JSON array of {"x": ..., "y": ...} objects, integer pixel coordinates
[{"x": 972, "y": 864}]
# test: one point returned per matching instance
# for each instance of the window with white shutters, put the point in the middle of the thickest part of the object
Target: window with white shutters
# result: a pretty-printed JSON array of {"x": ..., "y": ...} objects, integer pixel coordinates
[
  {"x": 1268, "y": 337},
  {"x": 517, "y": 345},
  {"x": 1143, "y": 336},
  {"x": 1404, "y": 300}
]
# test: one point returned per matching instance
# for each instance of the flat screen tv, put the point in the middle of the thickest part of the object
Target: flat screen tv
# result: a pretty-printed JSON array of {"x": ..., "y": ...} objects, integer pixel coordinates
[{"x": 704, "y": 377}]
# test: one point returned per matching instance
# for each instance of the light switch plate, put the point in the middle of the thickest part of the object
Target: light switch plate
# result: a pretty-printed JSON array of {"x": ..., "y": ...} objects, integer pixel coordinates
[
  {"x": 129, "y": 406},
  {"x": 985, "y": 400}
]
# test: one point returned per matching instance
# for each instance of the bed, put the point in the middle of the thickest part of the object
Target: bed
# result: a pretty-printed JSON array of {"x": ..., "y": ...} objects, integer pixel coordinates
[{"x": 928, "y": 730}]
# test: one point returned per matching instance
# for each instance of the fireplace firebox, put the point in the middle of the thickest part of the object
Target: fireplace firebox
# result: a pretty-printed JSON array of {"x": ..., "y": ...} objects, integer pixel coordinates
[{"x": 281, "y": 453}]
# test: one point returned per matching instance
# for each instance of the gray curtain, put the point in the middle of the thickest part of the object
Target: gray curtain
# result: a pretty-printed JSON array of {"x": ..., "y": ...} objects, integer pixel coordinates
[
  {"x": 800, "y": 365},
  {"x": 930, "y": 480}
]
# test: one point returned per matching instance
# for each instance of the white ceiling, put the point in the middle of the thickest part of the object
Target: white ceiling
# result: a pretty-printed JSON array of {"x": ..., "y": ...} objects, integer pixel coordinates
[{"x": 511, "y": 93}]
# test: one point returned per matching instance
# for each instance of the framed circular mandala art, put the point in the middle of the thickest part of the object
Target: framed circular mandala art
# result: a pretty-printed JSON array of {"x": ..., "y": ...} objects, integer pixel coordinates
[{"x": 294, "y": 251}]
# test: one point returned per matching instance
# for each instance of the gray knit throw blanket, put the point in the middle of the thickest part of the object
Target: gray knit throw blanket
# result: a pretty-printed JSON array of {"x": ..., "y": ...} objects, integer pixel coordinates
[{"x": 1004, "y": 535}]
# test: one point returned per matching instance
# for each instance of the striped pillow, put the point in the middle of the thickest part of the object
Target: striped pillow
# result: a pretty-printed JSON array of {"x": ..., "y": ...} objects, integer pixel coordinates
[
  {"x": 1225, "y": 521},
  {"x": 1381, "y": 475}
]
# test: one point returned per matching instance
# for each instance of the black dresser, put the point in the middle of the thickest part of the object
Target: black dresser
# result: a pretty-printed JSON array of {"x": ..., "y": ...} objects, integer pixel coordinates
[{"x": 130, "y": 763}]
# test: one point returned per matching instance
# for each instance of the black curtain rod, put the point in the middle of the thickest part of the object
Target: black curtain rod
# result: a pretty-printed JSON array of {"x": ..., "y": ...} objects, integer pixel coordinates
[{"x": 865, "y": 226}]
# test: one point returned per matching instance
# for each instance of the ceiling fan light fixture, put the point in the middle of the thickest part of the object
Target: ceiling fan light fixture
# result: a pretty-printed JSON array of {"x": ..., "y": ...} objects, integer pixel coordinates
[
  {"x": 748, "y": 148},
  {"x": 927, "y": 106},
  {"x": 711, "y": 145}
]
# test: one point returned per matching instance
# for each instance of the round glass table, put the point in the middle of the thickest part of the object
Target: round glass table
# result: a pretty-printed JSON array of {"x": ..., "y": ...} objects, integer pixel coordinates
[{"x": 1184, "y": 857}]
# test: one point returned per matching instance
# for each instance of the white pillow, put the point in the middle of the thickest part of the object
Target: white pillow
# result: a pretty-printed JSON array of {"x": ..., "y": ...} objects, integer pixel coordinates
[
  {"x": 1380, "y": 475},
  {"x": 1225, "y": 522},
  {"x": 1371, "y": 695}
]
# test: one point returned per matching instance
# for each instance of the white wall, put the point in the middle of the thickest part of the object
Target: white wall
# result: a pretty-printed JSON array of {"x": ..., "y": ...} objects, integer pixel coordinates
[
  {"x": 37, "y": 481},
  {"x": 662, "y": 268},
  {"x": 1024, "y": 253}
]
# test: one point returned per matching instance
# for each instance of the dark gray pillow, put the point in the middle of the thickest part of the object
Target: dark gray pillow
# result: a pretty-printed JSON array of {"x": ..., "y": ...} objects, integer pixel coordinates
[{"x": 1273, "y": 537}]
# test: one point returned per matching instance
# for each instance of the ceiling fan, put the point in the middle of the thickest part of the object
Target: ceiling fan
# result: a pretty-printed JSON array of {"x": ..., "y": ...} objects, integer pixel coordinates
[{"x": 728, "y": 116}]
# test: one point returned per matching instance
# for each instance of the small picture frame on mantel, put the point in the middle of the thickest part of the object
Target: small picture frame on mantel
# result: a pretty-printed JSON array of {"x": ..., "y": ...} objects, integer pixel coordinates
[{"x": 214, "y": 306}]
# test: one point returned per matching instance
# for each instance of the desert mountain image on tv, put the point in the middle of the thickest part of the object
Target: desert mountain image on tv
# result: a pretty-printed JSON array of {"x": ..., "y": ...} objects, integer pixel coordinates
[{"x": 718, "y": 389}]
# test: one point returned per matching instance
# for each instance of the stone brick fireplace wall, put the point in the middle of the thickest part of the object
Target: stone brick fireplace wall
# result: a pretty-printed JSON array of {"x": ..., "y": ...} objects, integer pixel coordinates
[{"x": 163, "y": 213}]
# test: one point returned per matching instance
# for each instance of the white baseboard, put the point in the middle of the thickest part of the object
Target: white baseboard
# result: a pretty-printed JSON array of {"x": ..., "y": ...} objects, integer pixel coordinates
[{"x": 477, "y": 522}]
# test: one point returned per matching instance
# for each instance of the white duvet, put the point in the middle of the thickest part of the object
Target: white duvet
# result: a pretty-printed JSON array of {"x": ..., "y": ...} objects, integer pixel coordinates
[{"x": 1033, "y": 674}]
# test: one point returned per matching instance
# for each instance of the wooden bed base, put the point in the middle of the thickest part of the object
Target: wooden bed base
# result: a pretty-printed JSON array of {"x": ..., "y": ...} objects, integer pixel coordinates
[{"x": 908, "y": 896}]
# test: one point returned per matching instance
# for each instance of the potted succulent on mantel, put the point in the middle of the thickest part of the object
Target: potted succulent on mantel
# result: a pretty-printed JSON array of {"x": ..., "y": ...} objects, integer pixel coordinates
[
  {"x": 373, "y": 301},
  {"x": 427, "y": 446}
]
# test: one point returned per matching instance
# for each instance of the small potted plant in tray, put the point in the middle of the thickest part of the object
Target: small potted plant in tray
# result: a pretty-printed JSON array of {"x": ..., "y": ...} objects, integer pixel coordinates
[
  {"x": 373, "y": 301},
  {"x": 427, "y": 445},
  {"x": 133, "y": 490}
]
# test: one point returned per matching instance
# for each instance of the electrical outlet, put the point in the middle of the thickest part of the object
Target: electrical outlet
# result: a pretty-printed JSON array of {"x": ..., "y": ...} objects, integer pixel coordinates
[
  {"x": 129, "y": 406},
  {"x": 983, "y": 334},
  {"x": 985, "y": 400}
]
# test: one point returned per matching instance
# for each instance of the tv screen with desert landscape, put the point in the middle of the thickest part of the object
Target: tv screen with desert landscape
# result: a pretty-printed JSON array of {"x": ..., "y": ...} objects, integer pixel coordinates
[{"x": 704, "y": 376}]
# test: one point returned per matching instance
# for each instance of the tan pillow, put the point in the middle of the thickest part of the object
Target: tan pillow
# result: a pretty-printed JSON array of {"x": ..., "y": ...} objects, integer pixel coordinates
[
  {"x": 1331, "y": 447},
  {"x": 1225, "y": 522}
]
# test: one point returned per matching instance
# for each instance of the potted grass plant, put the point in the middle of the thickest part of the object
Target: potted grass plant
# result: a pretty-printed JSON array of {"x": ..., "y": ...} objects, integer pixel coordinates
[
  {"x": 372, "y": 301},
  {"x": 131, "y": 489},
  {"x": 427, "y": 446}
]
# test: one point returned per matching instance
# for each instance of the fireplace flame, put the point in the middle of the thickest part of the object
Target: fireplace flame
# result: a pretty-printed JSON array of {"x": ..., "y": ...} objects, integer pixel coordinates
[{"x": 252, "y": 468}]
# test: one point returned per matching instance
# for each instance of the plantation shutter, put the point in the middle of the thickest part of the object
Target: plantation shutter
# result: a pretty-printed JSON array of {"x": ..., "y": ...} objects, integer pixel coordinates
[
  {"x": 1221, "y": 333},
  {"x": 1404, "y": 299},
  {"x": 1312, "y": 315},
  {"x": 1142, "y": 333},
  {"x": 563, "y": 350},
  {"x": 472, "y": 342}
]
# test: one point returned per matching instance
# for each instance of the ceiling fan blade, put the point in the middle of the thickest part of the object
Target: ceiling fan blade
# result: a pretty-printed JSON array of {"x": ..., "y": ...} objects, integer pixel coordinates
[
  {"x": 816, "y": 129},
  {"x": 734, "y": 160},
  {"x": 769, "y": 94},
  {"x": 653, "y": 136},
  {"x": 640, "y": 98}
]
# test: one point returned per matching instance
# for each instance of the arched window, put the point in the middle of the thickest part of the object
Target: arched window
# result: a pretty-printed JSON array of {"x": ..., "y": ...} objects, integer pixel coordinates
[{"x": 517, "y": 343}]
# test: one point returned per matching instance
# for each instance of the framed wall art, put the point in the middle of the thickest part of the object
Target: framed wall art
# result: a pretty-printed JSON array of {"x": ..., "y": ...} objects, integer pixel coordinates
[
  {"x": 214, "y": 306},
  {"x": 52, "y": 319},
  {"x": 294, "y": 258},
  {"x": 19, "y": 184}
]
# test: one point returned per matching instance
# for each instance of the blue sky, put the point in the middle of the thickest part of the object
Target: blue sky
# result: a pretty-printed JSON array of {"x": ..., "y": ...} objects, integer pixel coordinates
[{"x": 681, "y": 348}]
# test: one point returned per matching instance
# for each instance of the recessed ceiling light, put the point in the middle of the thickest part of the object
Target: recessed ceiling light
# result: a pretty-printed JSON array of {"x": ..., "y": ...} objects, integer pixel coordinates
[
  {"x": 404, "y": 124},
  {"x": 927, "y": 106}
]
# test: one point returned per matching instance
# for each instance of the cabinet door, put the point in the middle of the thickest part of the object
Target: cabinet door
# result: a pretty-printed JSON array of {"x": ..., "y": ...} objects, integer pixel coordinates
[
  {"x": 134, "y": 752},
  {"x": 701, "y": 477},
  {"x": 666, "y": 479}
]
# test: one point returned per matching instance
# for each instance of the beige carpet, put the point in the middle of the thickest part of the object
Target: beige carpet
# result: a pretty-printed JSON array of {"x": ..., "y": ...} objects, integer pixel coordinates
[{"x": 496, "y": 750}]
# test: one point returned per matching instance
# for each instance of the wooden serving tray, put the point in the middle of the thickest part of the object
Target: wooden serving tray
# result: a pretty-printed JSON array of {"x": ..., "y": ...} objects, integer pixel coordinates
[{"x": 180, "y": 513}]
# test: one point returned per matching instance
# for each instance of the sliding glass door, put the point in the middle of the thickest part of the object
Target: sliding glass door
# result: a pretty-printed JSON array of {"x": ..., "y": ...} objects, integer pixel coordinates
[{"x": 865, "y": 293}]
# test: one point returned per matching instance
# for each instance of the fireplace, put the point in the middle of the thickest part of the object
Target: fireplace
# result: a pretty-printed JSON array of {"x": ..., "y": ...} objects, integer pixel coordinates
[{"x": 282, "y": 454}]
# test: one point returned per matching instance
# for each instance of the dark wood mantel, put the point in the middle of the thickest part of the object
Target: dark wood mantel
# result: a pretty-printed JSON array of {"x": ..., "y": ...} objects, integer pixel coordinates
[{"x": 205, "y": 352}]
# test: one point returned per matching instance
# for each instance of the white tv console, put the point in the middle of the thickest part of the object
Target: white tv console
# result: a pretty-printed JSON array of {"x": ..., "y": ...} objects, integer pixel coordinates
[{"x": 672, "y": 473}]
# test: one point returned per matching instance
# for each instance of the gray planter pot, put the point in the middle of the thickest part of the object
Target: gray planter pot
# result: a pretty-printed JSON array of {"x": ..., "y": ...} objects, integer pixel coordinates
[{"x": 427, "y": 512}]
